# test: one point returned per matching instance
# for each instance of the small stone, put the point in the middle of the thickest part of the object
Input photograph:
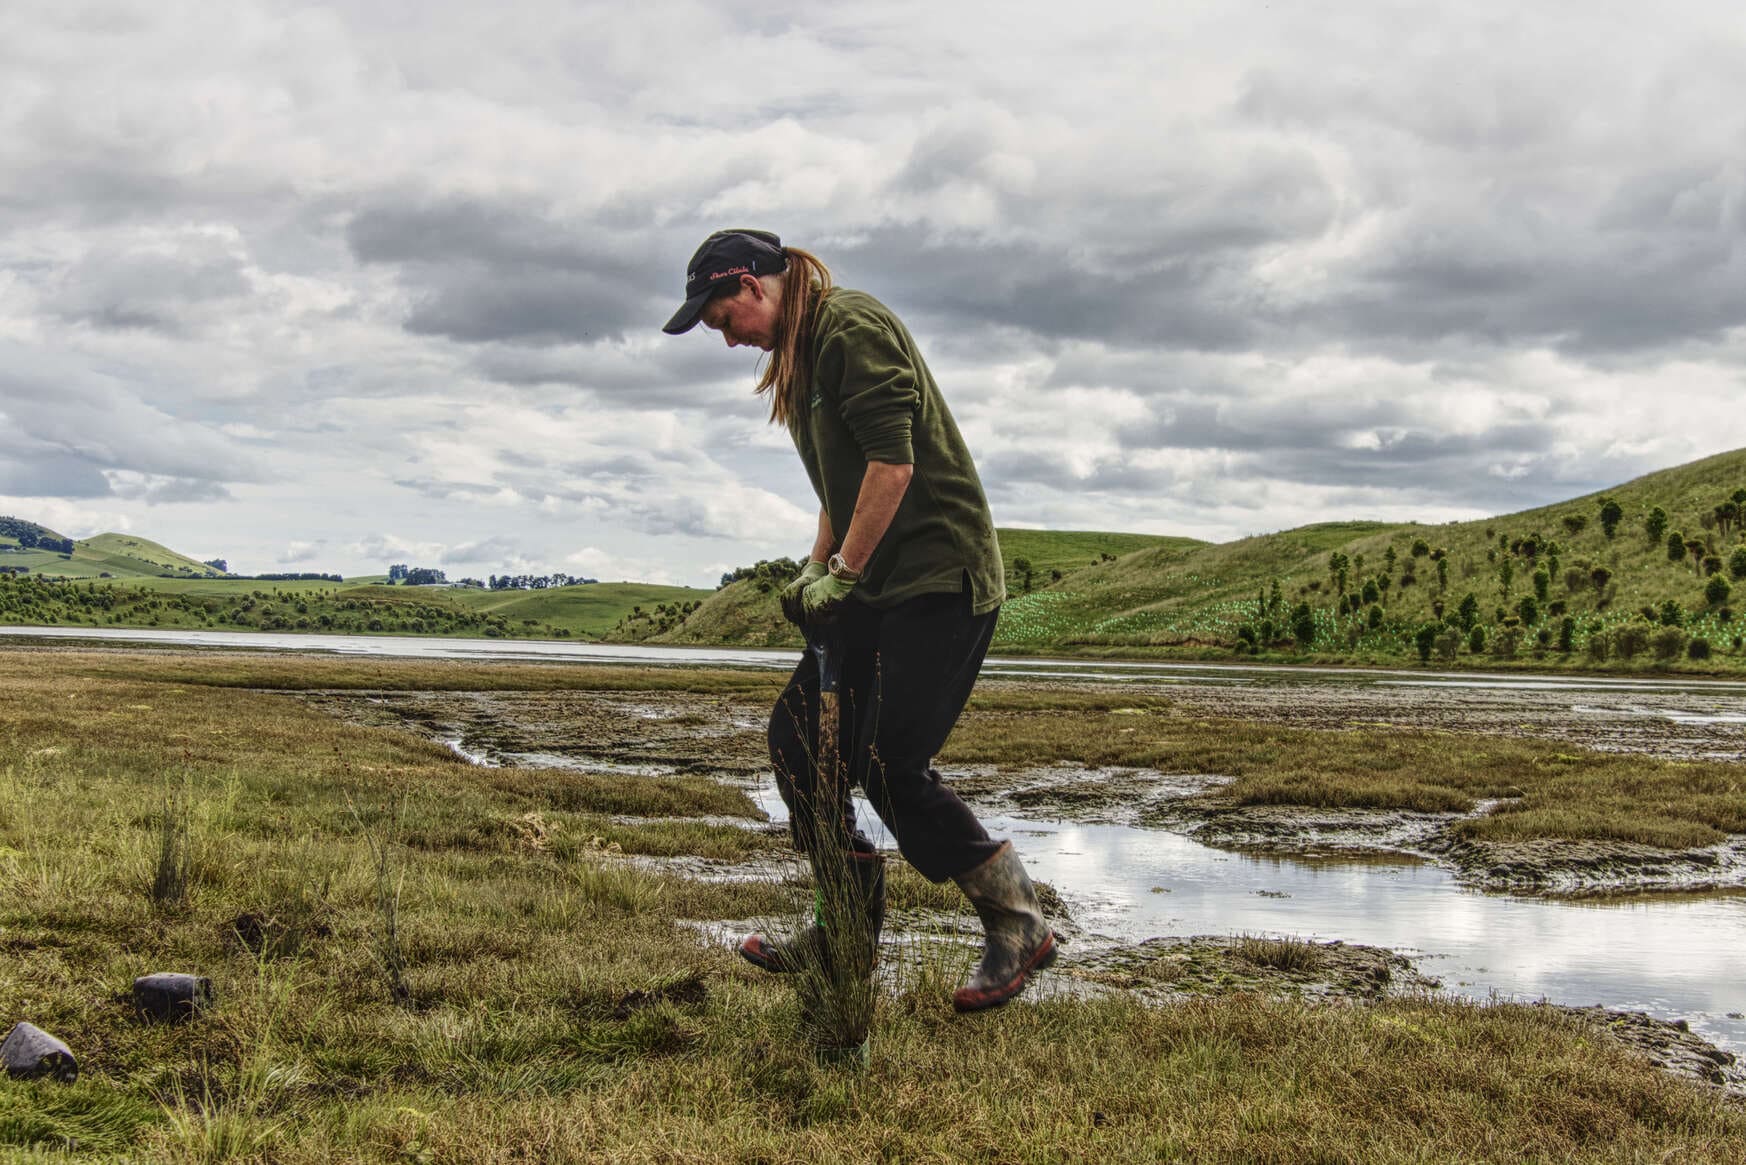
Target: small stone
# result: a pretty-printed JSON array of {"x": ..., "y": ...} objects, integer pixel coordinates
[
  {"x": 30, "y": 1052},
  {"x": 171, "y": 997}
]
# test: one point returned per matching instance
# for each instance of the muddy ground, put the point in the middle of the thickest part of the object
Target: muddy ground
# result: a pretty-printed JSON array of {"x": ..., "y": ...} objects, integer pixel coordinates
[
  {"x": 723, "y": 737},
  {"x": 657, "y": 733}
]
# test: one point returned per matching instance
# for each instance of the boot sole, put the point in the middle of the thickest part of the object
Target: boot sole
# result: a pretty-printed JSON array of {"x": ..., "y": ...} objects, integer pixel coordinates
[
  {"x": 964, "y": 1000},
  {"x": 764, "y": 962},
  {"x": 775, "y": 966}
]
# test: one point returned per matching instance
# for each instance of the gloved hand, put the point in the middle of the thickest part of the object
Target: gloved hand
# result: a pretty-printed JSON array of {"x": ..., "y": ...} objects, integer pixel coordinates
[
  {"x": 791, "y": 593},
  {"x": 821, "y": 598}
]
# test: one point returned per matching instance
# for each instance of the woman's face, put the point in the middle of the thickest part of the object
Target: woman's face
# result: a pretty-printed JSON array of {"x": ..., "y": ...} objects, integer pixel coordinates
[{"x": 746, "y": 317}]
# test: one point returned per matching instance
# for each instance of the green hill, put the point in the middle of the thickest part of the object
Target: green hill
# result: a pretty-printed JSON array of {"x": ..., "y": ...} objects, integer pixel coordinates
[
  {"x": 102, "y": 556},
  {"x": 1592, "y": 597},
  {"x": 1206, "y": 596},
  {"x": 584, "y": 611},
  {"x": 746, "y": 614}
]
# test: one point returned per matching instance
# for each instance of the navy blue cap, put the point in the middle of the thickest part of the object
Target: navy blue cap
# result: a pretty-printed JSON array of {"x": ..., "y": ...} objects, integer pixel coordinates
[{"x": 720, "y": 261}]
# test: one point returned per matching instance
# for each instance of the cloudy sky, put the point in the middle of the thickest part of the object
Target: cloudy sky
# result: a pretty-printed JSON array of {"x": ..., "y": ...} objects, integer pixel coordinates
[{"x": 324, "y": 287}]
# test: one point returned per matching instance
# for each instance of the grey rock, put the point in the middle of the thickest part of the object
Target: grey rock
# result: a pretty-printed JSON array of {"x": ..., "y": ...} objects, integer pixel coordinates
[
  {"x": 30, "y": 1052},
  {"x": 171, "y": 997}
]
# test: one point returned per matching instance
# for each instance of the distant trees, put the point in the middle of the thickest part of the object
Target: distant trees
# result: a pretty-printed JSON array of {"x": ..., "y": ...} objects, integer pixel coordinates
[
  {"x": 218, "y": 564},
  {"x": 30, "y": 536},
  {"x": 767, "y": 573},
  {"x": 529, "y": 582}
]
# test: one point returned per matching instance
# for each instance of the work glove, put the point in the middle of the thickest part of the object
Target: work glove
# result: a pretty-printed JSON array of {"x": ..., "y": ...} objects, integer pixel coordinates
[
  {"x": 822, "y": 597},
  {"x": 791, "y": 593}
]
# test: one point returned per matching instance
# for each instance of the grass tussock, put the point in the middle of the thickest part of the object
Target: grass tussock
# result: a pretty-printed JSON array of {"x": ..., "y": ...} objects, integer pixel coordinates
[
  {"x": 565, "y": 1007},
  {"x": 1285, "y": 953}
]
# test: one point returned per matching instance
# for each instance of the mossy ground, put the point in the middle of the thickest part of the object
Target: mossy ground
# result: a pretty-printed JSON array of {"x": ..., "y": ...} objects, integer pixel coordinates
[{"x": 559, "y": 1008}]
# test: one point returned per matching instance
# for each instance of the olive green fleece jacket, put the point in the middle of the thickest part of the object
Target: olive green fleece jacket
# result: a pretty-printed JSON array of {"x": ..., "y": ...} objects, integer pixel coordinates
[{"x": 872, "y": 398}]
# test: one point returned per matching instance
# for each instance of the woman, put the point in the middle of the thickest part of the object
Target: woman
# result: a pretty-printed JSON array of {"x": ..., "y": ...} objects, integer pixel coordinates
[{"x": 906, "y": 568}]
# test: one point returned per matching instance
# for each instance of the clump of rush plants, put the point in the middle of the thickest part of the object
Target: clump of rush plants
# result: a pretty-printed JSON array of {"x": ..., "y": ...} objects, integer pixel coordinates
[
  {"x": 379, "y": 837},
  {"x": 1285, "y": 953},
  {"x": 172, "y": 870}
]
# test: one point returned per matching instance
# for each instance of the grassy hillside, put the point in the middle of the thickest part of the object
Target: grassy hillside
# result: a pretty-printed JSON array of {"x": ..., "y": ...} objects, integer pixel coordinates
[
  {"x": 584, "y": 612},
  {"x": 1372, "y": 591},
  {"x": 104, "y": 555},
  {"x": 1205, "y": 597},
  {"x": 745, "y": 613}
]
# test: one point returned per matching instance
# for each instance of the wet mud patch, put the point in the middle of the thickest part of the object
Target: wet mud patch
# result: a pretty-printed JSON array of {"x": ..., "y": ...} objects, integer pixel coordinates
[
  {"x": 1308, "y": 832},
  {"x": 1591, "y": 868},
  {"x": 1668, "y": 1045},
  {"x": 1171, "y": 969},
  {"x": 650, "y": 733},
  {"x": 1098, "y": 795}
]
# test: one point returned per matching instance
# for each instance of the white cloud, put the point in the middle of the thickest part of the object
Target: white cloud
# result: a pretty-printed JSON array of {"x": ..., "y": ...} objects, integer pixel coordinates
[{"x": 294, "y": 277}]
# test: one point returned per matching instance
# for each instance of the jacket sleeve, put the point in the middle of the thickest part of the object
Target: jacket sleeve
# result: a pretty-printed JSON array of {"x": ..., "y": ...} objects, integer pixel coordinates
[{"x": 877, "y": 389}]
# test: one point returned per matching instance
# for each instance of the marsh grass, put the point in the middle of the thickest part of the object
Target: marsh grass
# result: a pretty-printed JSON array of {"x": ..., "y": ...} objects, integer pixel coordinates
[{"x": 569, "y": 1010}]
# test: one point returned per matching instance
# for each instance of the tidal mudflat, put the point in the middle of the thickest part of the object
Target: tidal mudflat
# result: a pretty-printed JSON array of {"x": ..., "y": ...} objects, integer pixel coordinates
[{"x": 553, "y": 978}]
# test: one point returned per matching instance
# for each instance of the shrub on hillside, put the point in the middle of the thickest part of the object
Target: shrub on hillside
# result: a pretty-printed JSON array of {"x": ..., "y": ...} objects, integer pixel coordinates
[
  {"x": 1505, "y": 642},
  {"x": 1631, "y": 640},
  {"x": 1717, "y": 590},
  {"x": 1611, "y": 513},
  {"x": 1676, "y": 546},
  {"x": 1655, "y": 525},
  {"x": 1597, "y": 647},
  {"x": 1476, "y": 640},
  {"x": 1671, "y": 614},
  {"x": 1737, "y": 563},
  {"x": 1698, "y": 649},
  {"x": 1448, "y": 643},
  {"x": 1668, "y": 643},
  {"x": 1424, "y": 639},
  {"x": 1567, "y": 635}
]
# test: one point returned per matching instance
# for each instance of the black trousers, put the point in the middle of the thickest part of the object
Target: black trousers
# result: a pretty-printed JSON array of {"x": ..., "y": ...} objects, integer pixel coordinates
[{"x": 907, "y": 672}]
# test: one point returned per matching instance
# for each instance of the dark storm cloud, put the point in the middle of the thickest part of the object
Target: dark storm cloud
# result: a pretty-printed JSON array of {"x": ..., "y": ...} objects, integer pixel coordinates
[
  {"x": 70, "y": 432},
  {"x": 691, "y": 372},
  {"x": 157, "y": 289},
  {"x": 479, "y": 272},
  {"x": 48, "y": 473}
]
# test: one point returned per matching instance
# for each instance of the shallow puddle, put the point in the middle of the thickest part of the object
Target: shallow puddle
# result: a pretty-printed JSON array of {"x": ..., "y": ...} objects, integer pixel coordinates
[{"x": 1672, "y": 957}]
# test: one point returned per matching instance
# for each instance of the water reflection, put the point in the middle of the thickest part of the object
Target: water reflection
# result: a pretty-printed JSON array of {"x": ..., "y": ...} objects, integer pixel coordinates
[{"x": 1673, "y": 957}]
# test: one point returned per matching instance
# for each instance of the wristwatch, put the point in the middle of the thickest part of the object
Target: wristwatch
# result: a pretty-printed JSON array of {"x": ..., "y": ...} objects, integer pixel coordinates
[{"x": 840, "y": 570}]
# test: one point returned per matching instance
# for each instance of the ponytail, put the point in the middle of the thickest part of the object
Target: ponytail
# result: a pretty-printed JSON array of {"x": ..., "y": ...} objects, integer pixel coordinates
[{"x": 804, "y": 286}]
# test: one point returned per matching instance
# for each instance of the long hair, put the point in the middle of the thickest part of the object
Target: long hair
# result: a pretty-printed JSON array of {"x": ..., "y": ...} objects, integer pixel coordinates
[{"x": 804, "y": 286}]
